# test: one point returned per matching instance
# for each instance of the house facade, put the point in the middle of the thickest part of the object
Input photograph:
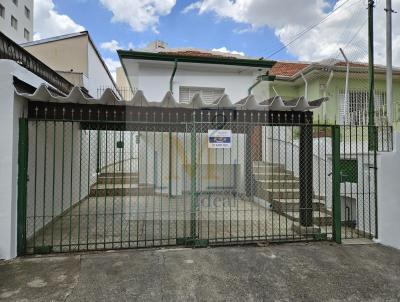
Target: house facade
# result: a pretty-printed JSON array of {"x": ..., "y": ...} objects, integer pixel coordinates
[
  {"x": 186, "y": 71},
  {"x": 329, "y": 79},
  {"x": 76, "y": 58}
]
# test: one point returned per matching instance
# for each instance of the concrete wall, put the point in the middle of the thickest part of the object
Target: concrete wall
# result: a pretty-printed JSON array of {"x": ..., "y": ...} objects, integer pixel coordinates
[
  {"x": 97, "y": 74},
  {"x": 62, "y": 162},
  {"x": 23, "y": 22},
  {"x": 11, "y": 109},
  {"x": 64, "y": 55},
  {"x": 389, "y": 197}
]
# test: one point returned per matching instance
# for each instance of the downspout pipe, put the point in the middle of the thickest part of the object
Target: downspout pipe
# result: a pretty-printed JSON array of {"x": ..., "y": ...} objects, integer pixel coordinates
[
  {"x": 171, "y": 80},
  {"x": 325, "y": 93},
  {"x": 346, "y": 89},
  {"x": 260, "y": 79},
  {"x": 306, "y": 85},
  {"x": 389, "y": 61}
]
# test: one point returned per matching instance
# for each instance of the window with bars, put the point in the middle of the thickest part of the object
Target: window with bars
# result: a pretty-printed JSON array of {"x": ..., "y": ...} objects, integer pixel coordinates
[
  {"x": 354, "y": 110},
  {"x": 208, "y": 94}
]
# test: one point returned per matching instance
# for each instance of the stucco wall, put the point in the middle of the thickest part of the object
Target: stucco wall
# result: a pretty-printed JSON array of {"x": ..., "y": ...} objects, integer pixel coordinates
[
  {"x": 154, "y": 80},
  {"x": 11, "y": 109}
]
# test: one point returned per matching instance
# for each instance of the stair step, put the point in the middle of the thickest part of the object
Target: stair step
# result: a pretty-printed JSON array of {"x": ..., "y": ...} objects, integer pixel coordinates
[
  {"x": 269, "y": 169},
  {"x": 293, "y": 205},
  {"x": 118, "y": 174},
  {"x": 125, "y": 179},
  {"x": 277, "y": 184},
  {"x": 275, "y": 175},
  {"x": 319, "y": 218},
  {"x": 269, "y": 194},
  {"x": 101, "y": 190}
]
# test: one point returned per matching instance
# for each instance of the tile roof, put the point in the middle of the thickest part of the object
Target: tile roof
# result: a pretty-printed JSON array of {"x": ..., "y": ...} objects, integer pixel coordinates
[
  {"x": 196, "y": 53},
  {"x": 287, "y": 69}
]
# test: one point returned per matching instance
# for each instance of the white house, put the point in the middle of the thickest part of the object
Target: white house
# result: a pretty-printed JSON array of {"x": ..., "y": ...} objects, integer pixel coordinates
[
  {"x": 16, "y": 19},
  {"x": 187, "y": 71}
]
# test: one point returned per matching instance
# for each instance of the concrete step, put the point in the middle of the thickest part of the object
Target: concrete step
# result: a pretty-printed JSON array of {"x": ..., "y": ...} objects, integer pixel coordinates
[
  {"x": 275, "y": 175},
  {"x": 269, "y": 194},
  {"x": 102, "y": 190},
  {"x": 117, "y": 174},
  {"x": 279, "y": 184},
  {"x": 118, "y": 179},
  {"x": 320, "y": 218},
  {"x": 269, "y": 169},
  {"x": 293, "y": 205}
]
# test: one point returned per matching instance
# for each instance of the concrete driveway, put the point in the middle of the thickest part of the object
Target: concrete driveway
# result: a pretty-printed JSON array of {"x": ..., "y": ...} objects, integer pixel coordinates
[{"x": 287, "y": 272}]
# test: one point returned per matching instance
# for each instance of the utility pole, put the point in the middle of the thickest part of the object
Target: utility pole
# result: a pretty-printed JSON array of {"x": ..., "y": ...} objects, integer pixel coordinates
[
  {"x": 371, "y": 75},
  {"x": 389, "y": 63}
]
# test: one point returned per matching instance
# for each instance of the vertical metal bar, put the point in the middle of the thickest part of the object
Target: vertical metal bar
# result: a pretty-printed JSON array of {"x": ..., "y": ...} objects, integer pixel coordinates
[
  {"x": 71, "y": 182},
  {"x": 337, "y": 234},
  {"x": 53, "y": 182},
  {"x": 23, "y": 149},
  {"x": 35, "y": 186},
  {"x": 62, "y": 182},
  {"x": 193, "y": 231},
  {"x": 306, "y": 175},
  {"x": 80, "y": 186},
  {"x": 44, "y": 178}
]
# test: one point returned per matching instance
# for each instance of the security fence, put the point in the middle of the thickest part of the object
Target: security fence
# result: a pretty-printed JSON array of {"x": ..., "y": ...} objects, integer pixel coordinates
[{"x": 206, "y": 180}]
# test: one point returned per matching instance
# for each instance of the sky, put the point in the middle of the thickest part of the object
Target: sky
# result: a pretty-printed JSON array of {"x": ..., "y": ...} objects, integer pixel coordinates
[{"x": 255, "y": 28}]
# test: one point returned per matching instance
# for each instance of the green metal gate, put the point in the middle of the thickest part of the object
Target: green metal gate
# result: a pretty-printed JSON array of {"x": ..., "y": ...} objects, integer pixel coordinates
[{"x": 87, "y": 185}]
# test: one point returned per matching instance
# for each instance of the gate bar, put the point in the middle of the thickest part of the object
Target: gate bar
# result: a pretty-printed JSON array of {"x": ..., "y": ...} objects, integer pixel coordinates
[{"x": 336, "y": 203}]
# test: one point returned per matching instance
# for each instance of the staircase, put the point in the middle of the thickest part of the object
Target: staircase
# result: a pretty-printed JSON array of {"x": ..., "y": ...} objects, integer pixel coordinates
[
  {"x": 119, "y": 184},
  {"x": 281, "y": 189}
]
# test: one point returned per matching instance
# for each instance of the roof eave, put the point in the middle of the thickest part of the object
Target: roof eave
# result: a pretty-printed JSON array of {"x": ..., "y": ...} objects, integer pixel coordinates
[{"x": 140, "y": 55}]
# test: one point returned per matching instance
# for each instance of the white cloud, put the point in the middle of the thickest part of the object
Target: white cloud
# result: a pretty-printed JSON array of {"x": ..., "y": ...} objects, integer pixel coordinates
[
  {"x": 114, "y": 45},
  {"x": 139, "y": 14},
  {"x": 112, "y": 66},
  {"x": 48, "y": 22},
  {"x": 225, "y": 50},
  {"x": 288, "y": 18}
]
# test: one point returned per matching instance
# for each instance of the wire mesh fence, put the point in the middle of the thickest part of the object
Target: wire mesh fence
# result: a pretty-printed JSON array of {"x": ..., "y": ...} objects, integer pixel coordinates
[{"x": 95, "y": 186}]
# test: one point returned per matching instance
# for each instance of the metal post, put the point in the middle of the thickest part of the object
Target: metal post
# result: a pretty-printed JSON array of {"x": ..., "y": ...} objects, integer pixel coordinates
[
  {"x": 22, "y": 185},
  {"x": 248, "y": 163},
  {"x": 306, "y": 176},
  {"x": 371, "y": 77},
  {"x": 193, "y": 186},
  {"x": 389, "y": 67},
  {"x": 336, "y": 206}
]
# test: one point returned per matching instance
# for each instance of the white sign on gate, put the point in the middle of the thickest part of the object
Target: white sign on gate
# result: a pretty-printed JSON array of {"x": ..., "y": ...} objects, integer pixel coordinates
[{"x": 219, "y": 139}]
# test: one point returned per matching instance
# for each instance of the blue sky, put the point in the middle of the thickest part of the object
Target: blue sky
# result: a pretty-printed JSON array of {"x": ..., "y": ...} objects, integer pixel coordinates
[
  {"x": 177, "y": 29},
  {"x": 254, "y": 27}
]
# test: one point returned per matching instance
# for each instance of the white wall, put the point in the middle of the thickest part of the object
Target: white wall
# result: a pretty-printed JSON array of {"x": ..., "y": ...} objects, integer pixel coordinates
[
  {"x": 154, "y": 80},
  {"x": 389, "y": 196},
  {"x": 23, "y": 22},
  {"x": 97, "y": 74},
  {"x": 11, "y": 109}
]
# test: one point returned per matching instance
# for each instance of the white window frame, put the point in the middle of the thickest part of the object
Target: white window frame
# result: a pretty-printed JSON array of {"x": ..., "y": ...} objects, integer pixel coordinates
[
  {"x": 208, "y": 94},
  {"x": 2, "y": 11},
  {"x": 27, "y": 13},
  {"x": 27, "y": 34},
  {"x": 14, "y": 20}
]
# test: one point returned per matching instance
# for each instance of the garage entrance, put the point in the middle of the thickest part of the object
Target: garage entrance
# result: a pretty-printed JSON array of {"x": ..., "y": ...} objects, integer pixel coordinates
[{"x": 99, "y": 178}]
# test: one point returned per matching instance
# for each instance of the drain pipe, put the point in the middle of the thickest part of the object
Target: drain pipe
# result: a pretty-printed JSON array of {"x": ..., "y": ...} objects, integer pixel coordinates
[
  {"x": 261, "y": 78},
  {"x": 325, "y": 90},
  {"x": 346, "y": 91},
  {"x": 306, "y": 87},
  {"x": 171, "y": 86},
  {"x": 171, "y": 80}
]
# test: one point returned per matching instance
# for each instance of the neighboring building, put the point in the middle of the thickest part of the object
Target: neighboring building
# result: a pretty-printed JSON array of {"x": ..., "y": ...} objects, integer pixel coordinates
[
  {"x": 186, "y": 71},
  {"x": 329, "y": 79},
  {"x": 16, "y": 19},
  {"x": 76, "y": 58}
]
